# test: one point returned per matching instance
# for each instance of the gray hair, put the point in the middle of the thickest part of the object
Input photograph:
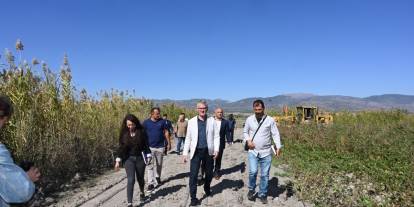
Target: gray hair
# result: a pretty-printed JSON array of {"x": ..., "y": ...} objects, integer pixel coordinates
[{"x": 204, "y": 102}]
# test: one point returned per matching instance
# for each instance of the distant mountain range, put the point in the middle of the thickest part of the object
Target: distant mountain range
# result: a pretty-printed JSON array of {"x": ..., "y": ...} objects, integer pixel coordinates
[{"x": 328, "y": 103}]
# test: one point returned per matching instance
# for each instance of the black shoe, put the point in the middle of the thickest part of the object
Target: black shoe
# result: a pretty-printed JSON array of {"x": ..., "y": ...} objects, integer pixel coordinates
[
  {"x": 158, "y": 181},
  {"x": 142, "y": 197},
  {"x": 194, "y": 202},
  {"x": 150, "y": 187},
  {"x": 207, "y": 190},
  {"x": 251, "y": 195},
  {"x": 263, "y": 199}
]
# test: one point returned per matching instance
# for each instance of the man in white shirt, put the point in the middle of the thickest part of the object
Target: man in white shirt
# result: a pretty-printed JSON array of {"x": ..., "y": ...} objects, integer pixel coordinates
[{"x": 259, "y": 130}]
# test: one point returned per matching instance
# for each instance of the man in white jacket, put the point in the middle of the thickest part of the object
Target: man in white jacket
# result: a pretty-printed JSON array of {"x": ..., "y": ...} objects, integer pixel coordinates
[{"x": 203, "y": 142}]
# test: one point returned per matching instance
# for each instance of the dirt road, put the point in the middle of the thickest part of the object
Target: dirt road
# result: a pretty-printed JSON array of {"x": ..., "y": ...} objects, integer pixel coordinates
[{"x": 231, "y": 190}]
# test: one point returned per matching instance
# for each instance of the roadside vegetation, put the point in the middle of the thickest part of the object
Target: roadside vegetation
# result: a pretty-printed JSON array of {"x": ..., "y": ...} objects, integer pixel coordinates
[
  {"x": 65, "y": 131},
  {"x": 362, "y": 159}
]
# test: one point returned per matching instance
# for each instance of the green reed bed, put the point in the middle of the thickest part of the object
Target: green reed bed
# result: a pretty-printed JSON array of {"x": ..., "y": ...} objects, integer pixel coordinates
[{"x": 362, "y": 159}]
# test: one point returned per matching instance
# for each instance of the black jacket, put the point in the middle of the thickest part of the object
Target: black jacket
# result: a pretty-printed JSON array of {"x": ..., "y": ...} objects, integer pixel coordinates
[
  {"x": 133, "y": 146},
  {"x": 224, "y": 133}
]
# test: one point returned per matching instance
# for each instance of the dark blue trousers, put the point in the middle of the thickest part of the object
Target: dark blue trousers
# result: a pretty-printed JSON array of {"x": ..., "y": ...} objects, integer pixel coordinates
[{"x": 200, "y": 155}]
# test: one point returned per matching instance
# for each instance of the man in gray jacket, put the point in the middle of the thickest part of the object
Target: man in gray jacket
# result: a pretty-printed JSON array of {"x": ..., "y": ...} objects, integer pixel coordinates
[{"x": 258, "y": 132}]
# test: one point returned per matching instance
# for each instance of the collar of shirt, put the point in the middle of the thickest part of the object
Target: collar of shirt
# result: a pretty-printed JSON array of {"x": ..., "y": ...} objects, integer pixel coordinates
[{"x": 205, "y": 118}]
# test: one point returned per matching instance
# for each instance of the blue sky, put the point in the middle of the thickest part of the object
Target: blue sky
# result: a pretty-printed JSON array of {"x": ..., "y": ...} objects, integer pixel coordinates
[{"x": 228, "y": 49}]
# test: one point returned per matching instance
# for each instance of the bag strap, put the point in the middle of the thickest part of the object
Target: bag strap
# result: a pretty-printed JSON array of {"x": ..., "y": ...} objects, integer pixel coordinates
[{"x": 260, "y": 124}]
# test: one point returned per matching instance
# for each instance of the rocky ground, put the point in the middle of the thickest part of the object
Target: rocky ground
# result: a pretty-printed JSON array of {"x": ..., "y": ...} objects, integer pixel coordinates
[{"x": 230, "y": 190}]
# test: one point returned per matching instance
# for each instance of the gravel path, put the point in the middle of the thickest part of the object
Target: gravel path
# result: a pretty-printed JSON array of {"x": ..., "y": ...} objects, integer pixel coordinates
[{"x": 109, "y": 190}]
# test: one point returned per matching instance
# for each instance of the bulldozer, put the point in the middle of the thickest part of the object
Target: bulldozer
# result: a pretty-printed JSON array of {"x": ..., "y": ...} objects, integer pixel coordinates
[
  {"x": 304, "y": 114},
  {"x": 287, "y": 117}
]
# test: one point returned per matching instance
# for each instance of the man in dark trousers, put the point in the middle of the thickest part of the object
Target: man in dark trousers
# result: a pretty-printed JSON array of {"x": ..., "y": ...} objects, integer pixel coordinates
[
  {"x": 223, "y": 127},
  {"x": 232, "y": 126},
  {"x": 202, "y": 144},
  {"x": 170, "y": 130}
]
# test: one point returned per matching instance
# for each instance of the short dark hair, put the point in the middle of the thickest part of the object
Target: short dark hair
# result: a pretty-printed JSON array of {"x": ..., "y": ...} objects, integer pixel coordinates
[
  {"x": 257, "y": 102},
  {"x": 155, "y": 108},
  {"x": 165, "y": 115},
  {"x": 182, "y": 113},
  {"x": 6, "y": 107},
  {"x": 26, "y": 165}
]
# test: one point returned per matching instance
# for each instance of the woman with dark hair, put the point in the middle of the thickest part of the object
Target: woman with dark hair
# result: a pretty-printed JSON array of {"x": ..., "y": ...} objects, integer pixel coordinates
[{"x": 134, "y": 153}]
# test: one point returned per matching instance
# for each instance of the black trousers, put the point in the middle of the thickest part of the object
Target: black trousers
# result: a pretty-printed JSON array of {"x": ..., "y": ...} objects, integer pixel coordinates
[
  {"x": 200, "y": 155},
  {"x": 217, "y": 164},
  {"x": 134, "y": 166},
  {"x": 231, "y": 135}
]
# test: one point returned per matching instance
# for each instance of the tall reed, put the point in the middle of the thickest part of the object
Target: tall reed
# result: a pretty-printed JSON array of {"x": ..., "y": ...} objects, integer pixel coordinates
[{"x": 63, "y": 130}]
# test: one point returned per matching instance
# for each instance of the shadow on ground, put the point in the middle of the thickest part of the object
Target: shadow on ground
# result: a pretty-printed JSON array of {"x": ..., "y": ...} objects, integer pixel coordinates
[
  {"x": 176, "y": 177},
  {"x": 240, "y": 167},
  {"x": 235, "y": 185},
  {"x": 275, "y": 190}
]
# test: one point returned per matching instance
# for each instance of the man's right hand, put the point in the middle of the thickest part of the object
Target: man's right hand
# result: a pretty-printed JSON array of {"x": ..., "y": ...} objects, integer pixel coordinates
[
  {"x": 278, "y": 152},
  {"x": 185, "y": 158},
  {"x": 250, "y": 144}
]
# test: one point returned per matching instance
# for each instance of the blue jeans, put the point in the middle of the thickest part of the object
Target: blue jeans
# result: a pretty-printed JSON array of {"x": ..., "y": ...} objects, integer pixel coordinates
[
  {"x": 180, "y": 144},
  {"x": 264, "y": 164}
]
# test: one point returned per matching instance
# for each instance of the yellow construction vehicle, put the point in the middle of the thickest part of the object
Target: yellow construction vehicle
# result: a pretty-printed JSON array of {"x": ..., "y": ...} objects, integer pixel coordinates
[
  {"x": 304, "y": 114},
  {"x": 287, "y": 117},
  {"x": 324, "y": 118}
]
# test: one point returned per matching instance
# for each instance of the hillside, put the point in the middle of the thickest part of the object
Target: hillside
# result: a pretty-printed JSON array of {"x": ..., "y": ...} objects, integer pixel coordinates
[{"x": 331, "y": 102}]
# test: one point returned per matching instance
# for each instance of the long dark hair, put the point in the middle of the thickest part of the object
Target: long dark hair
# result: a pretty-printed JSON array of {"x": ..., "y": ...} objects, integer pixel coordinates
[{"x": 124, "y": 129}]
